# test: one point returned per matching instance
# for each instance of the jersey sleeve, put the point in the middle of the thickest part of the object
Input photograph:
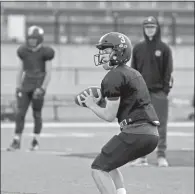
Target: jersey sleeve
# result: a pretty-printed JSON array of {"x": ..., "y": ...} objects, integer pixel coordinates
[
  {"x": 111, "y": 85},
  {"x": 168, "y": 69},
  {"x": 20, "y": 52},
  {"x": 49, "y": 54}
]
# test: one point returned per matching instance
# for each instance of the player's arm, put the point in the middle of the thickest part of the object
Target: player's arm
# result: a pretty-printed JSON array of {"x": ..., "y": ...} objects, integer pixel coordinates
[
  {"x": 133, "y": 59},
  {"x": 20, "y": 70},
  {"x": 48, "y": 67},
  {"x": 48, "y": 71},
  {"x": 19, "y": 75},
  {"x": 168, "y": 69},
  {"x": 111, "y": 91},
  {"x": 108, "y": 113}
]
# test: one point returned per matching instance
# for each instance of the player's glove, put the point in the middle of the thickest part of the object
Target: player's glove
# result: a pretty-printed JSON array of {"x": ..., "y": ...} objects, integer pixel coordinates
[{"x": 38, "y": 93}]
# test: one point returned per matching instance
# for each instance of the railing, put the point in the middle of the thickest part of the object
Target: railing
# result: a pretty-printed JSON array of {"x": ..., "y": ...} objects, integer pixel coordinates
[
  {"x": 59, "y": 104},
  {"x": 77, "y": 76}
]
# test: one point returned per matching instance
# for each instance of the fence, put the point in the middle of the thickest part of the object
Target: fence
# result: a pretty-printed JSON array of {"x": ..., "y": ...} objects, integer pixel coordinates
[
  {"x": 59, "y": 102},
  {"x": 71, "y": 80}
]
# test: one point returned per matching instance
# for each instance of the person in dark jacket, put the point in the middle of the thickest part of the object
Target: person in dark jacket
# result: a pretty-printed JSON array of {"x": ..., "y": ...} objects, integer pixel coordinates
[
  {"x": 153, "y": 59},
  {"x": 191, "y": 115}
]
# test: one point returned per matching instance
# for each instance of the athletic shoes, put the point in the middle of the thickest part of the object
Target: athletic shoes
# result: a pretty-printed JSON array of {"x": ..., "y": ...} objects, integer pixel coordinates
[
  {"x": 14, "y": 145},
  {"x": 139, "y": 162},
  {"x": 162, "y": 162},
  {"x": 34, "y": 145}
]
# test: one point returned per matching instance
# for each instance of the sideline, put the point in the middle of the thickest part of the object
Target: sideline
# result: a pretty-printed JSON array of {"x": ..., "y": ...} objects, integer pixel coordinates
[{"x": 88, "y": 124}]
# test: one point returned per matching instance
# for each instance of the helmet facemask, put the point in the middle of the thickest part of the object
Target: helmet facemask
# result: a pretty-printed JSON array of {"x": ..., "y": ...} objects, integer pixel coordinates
[
  {"x": 115, "y": 57},
  {"x": 99, "y": 59}
]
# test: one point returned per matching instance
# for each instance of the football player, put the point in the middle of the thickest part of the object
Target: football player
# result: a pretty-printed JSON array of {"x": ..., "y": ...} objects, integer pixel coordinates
[
  {"x": 128, "y": 100},
  {"x": 33, "y": 77}
]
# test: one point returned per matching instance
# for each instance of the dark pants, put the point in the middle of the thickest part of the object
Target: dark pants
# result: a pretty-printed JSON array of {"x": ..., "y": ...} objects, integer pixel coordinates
[
  {"x": 24, "y": 99},
  {"x": 124, "y": 148},
  {"x": 160, "y": 103}
]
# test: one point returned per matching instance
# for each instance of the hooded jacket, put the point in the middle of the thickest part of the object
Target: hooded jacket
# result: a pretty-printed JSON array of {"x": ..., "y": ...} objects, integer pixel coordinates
[{"x": 153, "y": 59}]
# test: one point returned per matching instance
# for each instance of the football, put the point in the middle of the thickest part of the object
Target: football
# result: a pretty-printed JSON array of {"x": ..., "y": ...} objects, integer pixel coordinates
[{"x": 79, "y": 99}]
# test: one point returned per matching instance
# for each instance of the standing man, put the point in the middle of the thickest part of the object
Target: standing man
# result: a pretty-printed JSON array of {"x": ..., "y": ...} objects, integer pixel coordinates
[
  {"x": 128, "y": 100},
  {"x": 33, "y": 77},
  {"x": 153, "y": 59}
]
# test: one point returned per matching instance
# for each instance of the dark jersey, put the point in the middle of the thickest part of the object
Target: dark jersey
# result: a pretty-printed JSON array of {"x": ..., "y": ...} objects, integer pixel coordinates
[
  {"x": 34, "y": 65},
  {"x": 129, "y": 85}
]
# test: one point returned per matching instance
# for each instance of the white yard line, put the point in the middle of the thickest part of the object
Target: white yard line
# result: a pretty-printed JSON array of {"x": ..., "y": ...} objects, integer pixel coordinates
[
  {"x": 89, "y": 124},
  {"x": 91, "y": 134}
]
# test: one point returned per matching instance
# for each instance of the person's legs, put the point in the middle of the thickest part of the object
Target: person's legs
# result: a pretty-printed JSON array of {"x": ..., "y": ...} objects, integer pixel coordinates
[
  {"x": 118, "y": 180},
  {"x": 103, "y": 169},
  {"x": 103, "y": 181},
  {"x": 118, "y": 151},
  {"x": 37, "y": 105},
  {"x": 160, "y": 103},
  {"x": 23, "y": 101}
]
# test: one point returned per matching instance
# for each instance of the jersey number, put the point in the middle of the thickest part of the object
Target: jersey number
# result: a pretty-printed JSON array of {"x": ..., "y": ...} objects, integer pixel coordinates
[{"x": 122, "y": 38}]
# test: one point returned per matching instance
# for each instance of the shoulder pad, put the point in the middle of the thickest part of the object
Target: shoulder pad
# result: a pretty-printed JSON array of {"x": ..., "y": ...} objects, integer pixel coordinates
[
  {"x": 49, "y": 53},
  {"x": 21, "y": 50}
]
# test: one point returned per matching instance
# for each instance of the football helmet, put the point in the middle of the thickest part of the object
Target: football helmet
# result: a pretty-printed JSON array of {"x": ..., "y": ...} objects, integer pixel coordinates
[
  {"x": 34, "y": 36},
  {"x": 121, "y": 45}
]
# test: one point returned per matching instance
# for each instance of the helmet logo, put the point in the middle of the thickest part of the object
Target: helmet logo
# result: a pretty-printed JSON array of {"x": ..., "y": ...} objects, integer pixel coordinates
[
  {"x": 150, "y": 19},
  {"x": 32, "y": 28},
  {"x": 122, "y": 38}
]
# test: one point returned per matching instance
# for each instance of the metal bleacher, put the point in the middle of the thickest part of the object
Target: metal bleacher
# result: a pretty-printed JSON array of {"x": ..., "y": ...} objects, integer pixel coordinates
[
  {"x": 101, "y": 5},
  {"x": 83, "y": 22}
]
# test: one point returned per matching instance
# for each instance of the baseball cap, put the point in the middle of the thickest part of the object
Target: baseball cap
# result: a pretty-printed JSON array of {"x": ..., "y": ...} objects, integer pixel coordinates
[{"x": 150, "y": 21}]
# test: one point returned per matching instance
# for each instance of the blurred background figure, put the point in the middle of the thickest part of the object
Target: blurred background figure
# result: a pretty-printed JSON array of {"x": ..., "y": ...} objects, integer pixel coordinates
[
  {"x": 153, "y": 59},
  {"x": 71, "y": 28},
  {"x": 32, "y": 80},
  {"x": 191, "y": 115}
]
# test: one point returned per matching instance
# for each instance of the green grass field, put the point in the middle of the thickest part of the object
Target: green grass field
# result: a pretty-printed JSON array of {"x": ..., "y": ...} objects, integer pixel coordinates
[{"x": 62, "y": 165}]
